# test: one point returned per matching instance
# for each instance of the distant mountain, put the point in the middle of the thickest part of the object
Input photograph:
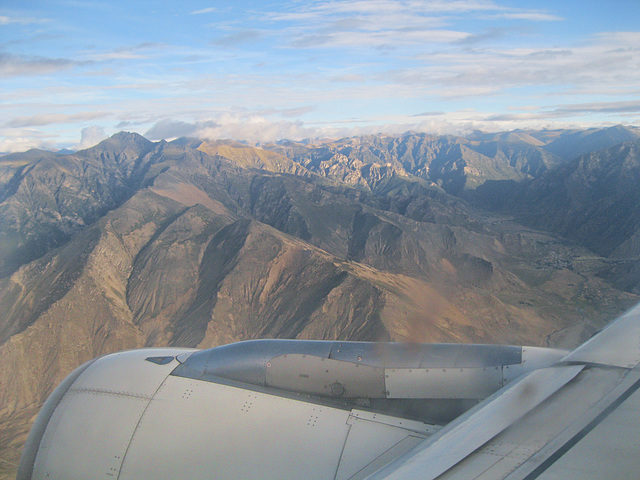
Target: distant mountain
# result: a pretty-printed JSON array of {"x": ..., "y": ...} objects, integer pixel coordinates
[
  {"x": 48, "y": 197},
  {"x": 515, "y": 136},
  {"x": 65, "y": 151},
  {"x": 199, "y": 243},
  {"x": 530, "y": 161},
  {"x": 454, "y": 163},
  {"x": 593, "y": 200},
  {"x": 570, "y": 145},
  {"x": 251, "y": 157}
]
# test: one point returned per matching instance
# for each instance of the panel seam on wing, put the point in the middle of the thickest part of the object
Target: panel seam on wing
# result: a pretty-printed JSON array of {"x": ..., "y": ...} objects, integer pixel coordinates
[{"x": 117, "y": 393}]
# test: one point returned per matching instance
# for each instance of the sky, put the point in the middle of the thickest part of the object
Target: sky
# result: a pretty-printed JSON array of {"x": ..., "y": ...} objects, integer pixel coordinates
[{"x": 73, "y": 72}]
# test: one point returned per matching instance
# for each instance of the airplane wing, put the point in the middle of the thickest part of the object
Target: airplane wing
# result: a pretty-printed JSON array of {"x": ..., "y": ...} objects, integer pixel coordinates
[
  {"x": 347, "y": 411},
  {"x": 577, "y": 419}
]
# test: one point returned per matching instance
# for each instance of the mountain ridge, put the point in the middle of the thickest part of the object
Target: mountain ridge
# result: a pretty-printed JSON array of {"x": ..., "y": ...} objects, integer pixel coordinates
[
  {"x": 137, "y": 243},
  {"x": 584, "y": 199}
]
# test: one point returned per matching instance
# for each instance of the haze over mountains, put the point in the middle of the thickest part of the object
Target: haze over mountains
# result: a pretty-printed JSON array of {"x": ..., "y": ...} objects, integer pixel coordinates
[{"x": 518, "y": 237}]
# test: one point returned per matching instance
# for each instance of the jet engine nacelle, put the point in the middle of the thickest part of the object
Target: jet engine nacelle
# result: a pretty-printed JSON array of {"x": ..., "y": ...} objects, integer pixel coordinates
[
  {"x": 369, "y": 370},
  {"x": 260, "y": 409}
]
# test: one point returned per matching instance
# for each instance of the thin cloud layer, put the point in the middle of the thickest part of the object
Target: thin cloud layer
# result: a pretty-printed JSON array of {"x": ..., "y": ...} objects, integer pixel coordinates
[
  {"x": 269, "y": 70},
  {"x": 18, "y": 65},
  {"x": 390, "y": 23},
  {"x": 252, "y": 128},
  {"x": 53, "y": 118}
]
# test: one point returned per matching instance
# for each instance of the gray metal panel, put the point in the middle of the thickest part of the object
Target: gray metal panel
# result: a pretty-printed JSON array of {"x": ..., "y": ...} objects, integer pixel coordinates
[
  {"x": 618, "y": 344},
  {"x": 32, "y": 445},
  {"x": 183, "y": 356},
  {"x": 374, "y": 354},
  {"x": 532, "y": 359},
  {"x": 443, "y": 382},
  {"x": 246, "y": 361},
  {"x": 88, "y": 433},
  {"x": 487, "y": 356},
  {"x": 369, "y": 439},
  {"x": 420, "y": 428},
  {"x": 128, "y": 373},
  {"x": 400, "y": 448},
  {"x": 471, "y": 356},
  {"x": 469, "y": 432},
  {"x": 425, "y": 355},
  {"x": 324, "y": 376},
  {"x": 363, "y": 449},
  {"x": 225, "y": 432},
  {"x": 597, "y": 394},
  {"x": 200, "y": 430}
]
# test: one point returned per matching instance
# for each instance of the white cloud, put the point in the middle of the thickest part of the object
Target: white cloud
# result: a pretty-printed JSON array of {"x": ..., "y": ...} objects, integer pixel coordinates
[
  {"x": 382, "y": 8},
  {"x": 327, "y": 62},
  {"x": 598, "y": 107},
  {"x": 91, "y": 136},
  {"x": 531, "y": 16},
  {"x": 4, "y": 20},
  {"x": 170, "y": 129},
  {"x": 134, "y": 52},
  {"x": 253, "y": 128},
  {"x": 22, "y": 139},
  {"x": 389, "y": 23},
  {"x": 381, "y": 39},
  {"x": 15, "y": 65},
  {"x": 606, "y": 61},
  {"x": 204, "y": 10},
  {"x": 21, "y": 144},
  {"x": 54, "y": 118},
  {"x": 238, "y": 38}
]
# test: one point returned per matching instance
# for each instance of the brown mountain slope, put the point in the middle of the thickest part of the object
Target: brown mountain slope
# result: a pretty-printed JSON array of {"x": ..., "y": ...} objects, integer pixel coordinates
[{"x": 252, "y": 157}]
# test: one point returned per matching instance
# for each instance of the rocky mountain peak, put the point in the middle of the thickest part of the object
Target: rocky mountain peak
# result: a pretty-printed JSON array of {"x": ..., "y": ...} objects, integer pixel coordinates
[{"x": 132, "y": 143}]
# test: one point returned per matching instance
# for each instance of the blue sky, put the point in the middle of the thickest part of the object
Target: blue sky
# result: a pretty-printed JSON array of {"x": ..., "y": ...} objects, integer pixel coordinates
[{"x": 75, "y": 71}]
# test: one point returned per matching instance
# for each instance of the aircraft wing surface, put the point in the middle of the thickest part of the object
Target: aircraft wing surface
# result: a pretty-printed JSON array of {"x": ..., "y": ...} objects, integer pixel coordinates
[{"x": 577, "y": 419}]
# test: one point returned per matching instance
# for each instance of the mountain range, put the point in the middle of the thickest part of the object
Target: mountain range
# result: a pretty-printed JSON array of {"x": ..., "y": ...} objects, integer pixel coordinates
[{"x": 524, "y": 237}]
